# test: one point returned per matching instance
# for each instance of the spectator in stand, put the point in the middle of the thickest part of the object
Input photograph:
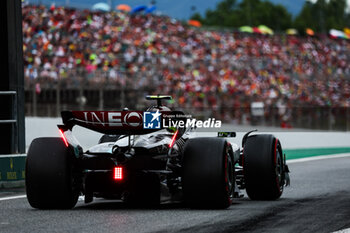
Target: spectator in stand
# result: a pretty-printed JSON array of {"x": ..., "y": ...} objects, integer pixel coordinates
[{"x": 203, "y": 69}]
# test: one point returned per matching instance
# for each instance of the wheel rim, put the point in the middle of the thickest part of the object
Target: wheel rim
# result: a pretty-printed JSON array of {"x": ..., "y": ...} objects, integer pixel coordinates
[
  {"x": 279, "y": 169},
  {"x": 229, "y": 173}
]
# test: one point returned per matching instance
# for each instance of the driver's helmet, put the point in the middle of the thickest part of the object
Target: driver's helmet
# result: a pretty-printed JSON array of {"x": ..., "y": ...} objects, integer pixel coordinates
[{"x": 160, "y": 108}]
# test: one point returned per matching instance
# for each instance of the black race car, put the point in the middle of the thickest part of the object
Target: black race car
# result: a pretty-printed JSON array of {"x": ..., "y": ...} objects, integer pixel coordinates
[{"x": 144, "y": 163}]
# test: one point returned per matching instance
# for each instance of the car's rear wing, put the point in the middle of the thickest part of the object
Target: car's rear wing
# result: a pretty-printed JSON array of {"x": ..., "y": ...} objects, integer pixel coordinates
[{"x": 116, "y": 122}]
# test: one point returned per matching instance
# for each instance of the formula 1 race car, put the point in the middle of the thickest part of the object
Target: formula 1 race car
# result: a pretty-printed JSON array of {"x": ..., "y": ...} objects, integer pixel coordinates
[{"x": 139, "y": 161}]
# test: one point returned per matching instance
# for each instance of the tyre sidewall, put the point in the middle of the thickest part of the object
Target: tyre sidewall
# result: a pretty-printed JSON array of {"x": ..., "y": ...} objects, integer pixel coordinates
[
  {"x": 49, "y": 174},
  {"x": 259, "y": 166},
  {"x": 204, "y": 173}
]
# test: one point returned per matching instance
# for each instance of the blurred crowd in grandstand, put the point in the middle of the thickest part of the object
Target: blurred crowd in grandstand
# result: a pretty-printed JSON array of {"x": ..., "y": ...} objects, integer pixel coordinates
[{"x": 200, "y": 68}]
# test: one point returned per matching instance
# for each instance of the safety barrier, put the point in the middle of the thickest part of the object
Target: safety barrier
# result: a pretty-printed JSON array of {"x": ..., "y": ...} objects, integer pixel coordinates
[
  {"x": 12, "y": 170},
  {"x": 12, "y": 167}
]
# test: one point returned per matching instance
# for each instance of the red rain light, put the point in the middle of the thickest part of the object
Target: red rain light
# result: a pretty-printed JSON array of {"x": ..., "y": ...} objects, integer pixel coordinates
[
  {"x": 63, "y": 137},
  {"x": 118, "y": 173},
  {"x": 173, "y": 139}
]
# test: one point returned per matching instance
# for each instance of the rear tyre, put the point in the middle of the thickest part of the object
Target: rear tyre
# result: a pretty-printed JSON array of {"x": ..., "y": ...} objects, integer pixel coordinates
[
  {"x": 263, "y": 167},
  {"x": 208, "y": 173},
  {"x": 49, "y": 176}
]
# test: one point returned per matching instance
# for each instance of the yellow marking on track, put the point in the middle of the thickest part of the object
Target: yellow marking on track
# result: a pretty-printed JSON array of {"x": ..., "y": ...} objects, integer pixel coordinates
[{"x": 11, "y": 175}]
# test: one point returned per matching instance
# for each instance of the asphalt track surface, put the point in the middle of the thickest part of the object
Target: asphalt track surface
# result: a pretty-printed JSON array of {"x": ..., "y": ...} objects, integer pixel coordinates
[{"x": 317, "y": 201}]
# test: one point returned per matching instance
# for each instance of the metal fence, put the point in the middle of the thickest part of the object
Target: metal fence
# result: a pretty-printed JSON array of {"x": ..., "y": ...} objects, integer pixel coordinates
[
  {"x": 49, "y": 101},
  {"x": 11, "y": 119}
]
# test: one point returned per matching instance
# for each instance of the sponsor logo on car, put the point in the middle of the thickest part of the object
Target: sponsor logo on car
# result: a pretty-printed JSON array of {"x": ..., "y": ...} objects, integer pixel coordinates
[
  {"x": 117, "y": 119},
  {"x": 133, "y": 119}
]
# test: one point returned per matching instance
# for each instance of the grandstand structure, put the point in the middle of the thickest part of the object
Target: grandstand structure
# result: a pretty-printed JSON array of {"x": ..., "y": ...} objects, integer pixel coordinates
[{"x": 79, "y": 59}]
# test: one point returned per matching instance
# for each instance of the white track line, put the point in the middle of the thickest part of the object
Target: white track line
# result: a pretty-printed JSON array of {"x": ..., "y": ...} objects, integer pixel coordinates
[
  {"x": 347, "y": 230},
  {"x": 12, "y": 197},
  {"x": 13, "y": 155},
  {"x": 321, "y": 157}
]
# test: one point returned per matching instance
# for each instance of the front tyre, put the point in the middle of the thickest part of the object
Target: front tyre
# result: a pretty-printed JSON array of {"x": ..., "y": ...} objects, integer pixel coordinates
[
  {"x": 50, "y": 182},
  {"x": 208, "y": 173},
  {"x": 263, "y": 167}
]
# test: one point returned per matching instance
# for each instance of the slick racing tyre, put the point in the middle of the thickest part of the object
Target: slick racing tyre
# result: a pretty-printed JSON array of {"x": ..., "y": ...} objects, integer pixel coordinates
[
  {"x": 263, "y": 167},
  {"x": 49, "y": 176},
  {"x": 208, "y": 173}
]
